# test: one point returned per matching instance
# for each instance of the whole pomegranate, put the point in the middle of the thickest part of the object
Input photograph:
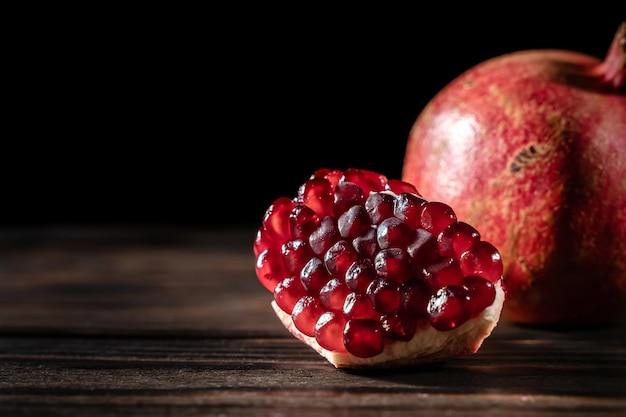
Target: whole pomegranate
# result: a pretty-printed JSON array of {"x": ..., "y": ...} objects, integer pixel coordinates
[{"x": 530, "y": 147}]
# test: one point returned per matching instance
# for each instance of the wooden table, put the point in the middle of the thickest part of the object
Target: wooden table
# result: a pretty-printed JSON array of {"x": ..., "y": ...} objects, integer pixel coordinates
[{"x": 172, "y": 322}]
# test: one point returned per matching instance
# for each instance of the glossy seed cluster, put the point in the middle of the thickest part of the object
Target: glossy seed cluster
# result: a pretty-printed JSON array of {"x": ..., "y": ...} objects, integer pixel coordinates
[{"x": 359, "y": 260}]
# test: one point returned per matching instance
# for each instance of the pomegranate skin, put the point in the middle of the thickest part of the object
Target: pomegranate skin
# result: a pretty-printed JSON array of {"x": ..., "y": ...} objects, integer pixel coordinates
[{"x": 531, "y": 148}]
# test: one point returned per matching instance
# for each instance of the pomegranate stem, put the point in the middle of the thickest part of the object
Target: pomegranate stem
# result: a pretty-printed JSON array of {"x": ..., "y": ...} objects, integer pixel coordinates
[{"x": 613, "y": 68}]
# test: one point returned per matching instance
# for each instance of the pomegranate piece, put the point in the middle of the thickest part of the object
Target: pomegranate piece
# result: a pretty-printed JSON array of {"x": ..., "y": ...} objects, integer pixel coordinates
[{"x": 370, "y": 273}]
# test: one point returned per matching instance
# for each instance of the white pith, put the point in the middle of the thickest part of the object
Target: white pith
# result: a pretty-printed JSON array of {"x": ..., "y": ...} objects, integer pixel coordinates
[{"x": 427, "y": 345}]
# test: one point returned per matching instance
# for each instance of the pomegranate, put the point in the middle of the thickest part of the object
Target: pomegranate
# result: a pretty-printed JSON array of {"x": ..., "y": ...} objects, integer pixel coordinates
[
  {"x": 368, "y": 273},
  {"x": 530, "y": 147}
]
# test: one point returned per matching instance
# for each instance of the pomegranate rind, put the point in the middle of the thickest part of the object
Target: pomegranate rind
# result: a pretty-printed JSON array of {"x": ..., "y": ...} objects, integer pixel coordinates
[
  {"x": 427, "y": 345},
  {"x": 558, "y": 249}
]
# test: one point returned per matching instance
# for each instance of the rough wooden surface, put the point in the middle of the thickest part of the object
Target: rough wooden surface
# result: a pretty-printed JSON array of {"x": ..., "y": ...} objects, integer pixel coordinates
[{"x": 172, "y": 322}]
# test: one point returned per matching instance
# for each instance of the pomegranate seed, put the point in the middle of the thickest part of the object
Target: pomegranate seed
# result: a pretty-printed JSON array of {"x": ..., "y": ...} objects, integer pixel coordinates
[
  {"x": 339, "y": 257},
  {"x": 314, "y": 275},
  {"x": 398, "y": 326},
  {"x": 456, "y": 238},
  {"x": 287, "y": 293},
  {"x": 423, "y": 249},
  {"x": 360, "y": 274},
  {"x": 363, "y": 337},
  {"x": 448, "y": 308},
  {"x": 415, "y": 297},
  {"x": 399, "y": 186},
  {"x": 317, "y": 194},
  {"x": 480, "y": 292},
  {"x": 379, "y": 206},
  {"x": 353, "y": 222},
  {"x": 322, "y": 173},
  {"x": 369, "y": 181},
  {"x": 302, "y": 221},
  {"x": 262, "y": 242},
  {"x": 482, "y": 260},
  {"x": 358, "y": 306},
  {"x": 366, "y": 244},
  {"x": 436, "y": 216},
  {"x": 333, "y": 295},
  {"x": 306, "y": 313},
  {"x": 384, "y": 294},
  {"x": 324, "y": 236},
  {"x": 333, "y": 176},
  {"x": 329, "y": 331},
  {"x": 408, "y": 208},
  {"x": 270, "y": 269},
  {"x": 393, "y": 232},
  {"x": 445, "y": 272},
  {"x": 276, "y": 219},
  {"x": 295, "y": 253},
  {"x": 347, "y": 194},
  {"x": 394, "y": 263}
]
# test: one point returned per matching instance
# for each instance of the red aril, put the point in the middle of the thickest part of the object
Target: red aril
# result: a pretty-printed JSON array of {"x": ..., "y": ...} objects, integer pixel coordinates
[
  {"x": 530, "y": 148},
  {"x": 448, "y": 308},
  {"x": 369, "y": 273}
]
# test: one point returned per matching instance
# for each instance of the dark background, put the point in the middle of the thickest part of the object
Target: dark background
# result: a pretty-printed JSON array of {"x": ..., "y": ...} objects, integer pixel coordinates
[{"x": 203, "y": 117}]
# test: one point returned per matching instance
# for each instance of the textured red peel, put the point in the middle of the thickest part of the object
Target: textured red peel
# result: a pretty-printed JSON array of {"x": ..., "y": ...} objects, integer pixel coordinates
[{"x": 530, "y": 149}]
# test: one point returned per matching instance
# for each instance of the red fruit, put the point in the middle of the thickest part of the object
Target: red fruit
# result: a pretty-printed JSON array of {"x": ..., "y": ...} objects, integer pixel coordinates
[
  {"x": 530, "y": 148},
  {"x": 358, "y": 265}
]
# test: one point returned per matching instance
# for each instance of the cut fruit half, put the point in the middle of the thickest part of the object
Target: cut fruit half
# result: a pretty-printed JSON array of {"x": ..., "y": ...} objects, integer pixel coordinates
[{"x": 369, "y": 273}]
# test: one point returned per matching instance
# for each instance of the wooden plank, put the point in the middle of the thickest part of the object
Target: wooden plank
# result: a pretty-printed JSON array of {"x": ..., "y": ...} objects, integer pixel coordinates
[
  {"x": 136, "y": 281},
  {"x": 536, "y": 371},
  {"x": 164, "y": 322}
]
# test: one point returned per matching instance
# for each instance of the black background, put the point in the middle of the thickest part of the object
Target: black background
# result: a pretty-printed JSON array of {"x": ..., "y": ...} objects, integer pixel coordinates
[{"x": 203, "y": 117}]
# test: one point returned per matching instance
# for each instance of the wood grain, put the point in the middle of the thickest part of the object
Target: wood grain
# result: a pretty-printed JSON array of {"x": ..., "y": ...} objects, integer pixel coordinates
[{"x": 172, "y": 322}]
